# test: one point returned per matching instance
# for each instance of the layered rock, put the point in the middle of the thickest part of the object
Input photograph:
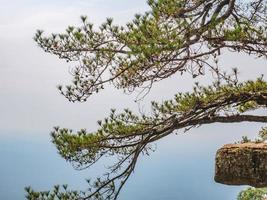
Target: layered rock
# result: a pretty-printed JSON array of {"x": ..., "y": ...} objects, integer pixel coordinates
[{"x": 242, "y": 164}]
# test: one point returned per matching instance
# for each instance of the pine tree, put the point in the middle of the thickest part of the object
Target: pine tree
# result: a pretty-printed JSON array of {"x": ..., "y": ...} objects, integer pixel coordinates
[{"x": 175, "y": 36}]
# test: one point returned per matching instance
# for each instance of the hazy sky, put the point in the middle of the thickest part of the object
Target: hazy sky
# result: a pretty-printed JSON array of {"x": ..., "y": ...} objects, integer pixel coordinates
[
  {"x": 30, "y": 101},
  {"x": 28, "y": 76}
]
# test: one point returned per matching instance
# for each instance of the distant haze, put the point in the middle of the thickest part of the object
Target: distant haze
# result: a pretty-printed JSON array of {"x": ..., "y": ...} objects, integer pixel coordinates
[
  {"x": 28, "y": 76},
  {"x": 30, "y": 105}
]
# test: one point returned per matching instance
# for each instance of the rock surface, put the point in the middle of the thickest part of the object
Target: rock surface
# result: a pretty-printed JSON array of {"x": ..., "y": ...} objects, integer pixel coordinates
[{"x": 242, "y": 164}]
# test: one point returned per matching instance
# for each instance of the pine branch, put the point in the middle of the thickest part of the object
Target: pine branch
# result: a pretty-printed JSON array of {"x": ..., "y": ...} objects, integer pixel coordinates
[
  {"x": 126, "y": 136},
  {"x": 174, "y": 37}
]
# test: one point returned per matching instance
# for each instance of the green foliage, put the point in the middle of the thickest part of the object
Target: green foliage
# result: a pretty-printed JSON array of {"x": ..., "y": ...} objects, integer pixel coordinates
[
  {"x": 262, "y": 137},
  {"x": 58, "y": 193},
  {"x": 126, "y": 136},
  {"x": 252, "y": 194},
  {"x": 174, "y": 36},
  {"x": 126, "y": 126},
  {"x": 263, "y": 134},
  {"x": 245, "y": 139}
]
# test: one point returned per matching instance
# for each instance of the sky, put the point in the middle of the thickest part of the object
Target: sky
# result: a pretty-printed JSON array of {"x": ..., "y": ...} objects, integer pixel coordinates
[
  {"x": 28, "y": 76},
  {"x": 30, "y": 101},
  {"x": 31, "y": 105}
]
